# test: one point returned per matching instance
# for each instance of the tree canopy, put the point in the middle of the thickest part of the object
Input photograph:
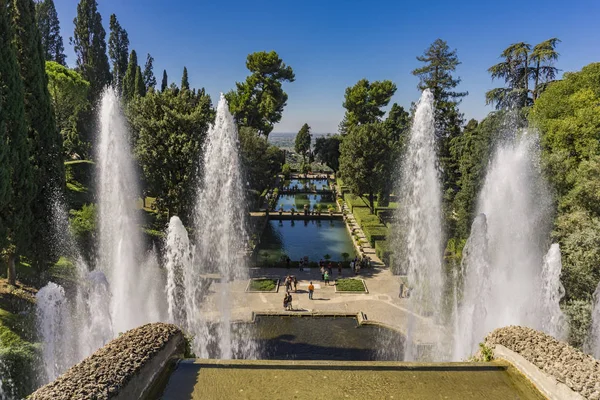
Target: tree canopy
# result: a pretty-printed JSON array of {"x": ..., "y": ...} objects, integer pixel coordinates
[
  {"x": 303, "y": 141},
  {"x": 49, "y": 26},
  {"x": 364, "y": 102},
  {"x": 258, "y": 102},
  {"x": 118, "y": 49}
]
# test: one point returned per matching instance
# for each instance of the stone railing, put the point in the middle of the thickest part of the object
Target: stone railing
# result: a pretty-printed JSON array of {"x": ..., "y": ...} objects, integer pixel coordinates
[
  {"x": 125, "y": 368},
  {"x": 565, "y": 364}
]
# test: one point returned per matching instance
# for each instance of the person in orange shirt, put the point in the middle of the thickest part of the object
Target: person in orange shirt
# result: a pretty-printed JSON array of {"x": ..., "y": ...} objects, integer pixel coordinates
[{"x": 311, "y": 290}]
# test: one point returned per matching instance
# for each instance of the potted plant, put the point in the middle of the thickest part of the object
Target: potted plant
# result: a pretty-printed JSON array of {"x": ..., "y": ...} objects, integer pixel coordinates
[
  {"x": 319, "y": 207},
  {"x": 331, "y": 210},
  {"x": 292, "y": 210}
]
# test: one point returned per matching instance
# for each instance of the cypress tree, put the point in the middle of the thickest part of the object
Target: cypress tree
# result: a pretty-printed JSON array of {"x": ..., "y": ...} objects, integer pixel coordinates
[
  {"x": 47, "y": 21},
  {"x": 149, "y": 79},
  {"x": 140, "y": 87},
  {"x": 89, "y": 43},
  {"x": 185, "y": 84},
  {"x": 129, "y": 80},
  {"x": 118, "y": 49},
  {"x": 164, "y": 84},
  {"x": 15, "y": 198},
  {"x": 45, "y": 142}
]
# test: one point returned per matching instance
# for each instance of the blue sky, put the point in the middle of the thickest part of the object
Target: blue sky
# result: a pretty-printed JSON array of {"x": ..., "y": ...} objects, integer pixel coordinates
[{"x": 332, "y": 44}]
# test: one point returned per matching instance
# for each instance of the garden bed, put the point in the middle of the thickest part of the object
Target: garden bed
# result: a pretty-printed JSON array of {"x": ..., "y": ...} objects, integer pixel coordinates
[
  {"x": 263, "y": 285},
  {"x": 350, "y": 285}
]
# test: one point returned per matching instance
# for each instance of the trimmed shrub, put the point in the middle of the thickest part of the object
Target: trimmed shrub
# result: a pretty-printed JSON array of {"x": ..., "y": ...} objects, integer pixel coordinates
[
  {"x": 354, "y": 201},
  {"x": 374, "y": 233},
  {"x": 383, "y": 251},
  {"x": 364, "y": 217}
]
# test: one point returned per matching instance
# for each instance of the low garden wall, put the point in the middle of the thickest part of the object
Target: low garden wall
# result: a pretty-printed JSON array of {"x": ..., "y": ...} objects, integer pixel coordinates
[
  {"x": 566, "y": 365},
  {"x": 125, "y": 368}
]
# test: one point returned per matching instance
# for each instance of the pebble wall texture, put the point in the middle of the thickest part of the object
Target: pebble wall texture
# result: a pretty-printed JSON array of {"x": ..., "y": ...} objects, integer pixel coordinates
[
  {"x": 103, "y": 374},
  {"x": 577, "y": 370}
]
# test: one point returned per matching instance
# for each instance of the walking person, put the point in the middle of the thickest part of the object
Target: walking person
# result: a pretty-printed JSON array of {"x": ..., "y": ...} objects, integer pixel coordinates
[
  {"x": 326, "y": 278},
  {"x": 322, "y": 273},
  {"x": 295, "y": 285},
  {"x": 311, "y": 290}
]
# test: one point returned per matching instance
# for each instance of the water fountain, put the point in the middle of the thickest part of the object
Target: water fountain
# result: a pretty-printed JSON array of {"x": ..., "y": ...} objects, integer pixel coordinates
[
  {"x": 131, "y": 279},
  {"x": 54, "y": 327},
  {"x": 220, "y": 230},
  {"x": 420, "y": 219},
  {"x": 179, "y": 272},
  {"x": 503, "y": 265}
]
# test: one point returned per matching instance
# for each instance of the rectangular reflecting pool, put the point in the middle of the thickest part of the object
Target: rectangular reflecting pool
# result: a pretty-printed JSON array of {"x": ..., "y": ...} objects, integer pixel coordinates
[
  {"x": 287, "y": 201},
  {"x": 297, "y": 239},
  {"x": 299, "y": 184}
]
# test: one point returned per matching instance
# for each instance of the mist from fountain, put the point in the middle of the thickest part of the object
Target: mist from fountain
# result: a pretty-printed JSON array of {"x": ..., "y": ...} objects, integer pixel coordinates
[
  {"x": 221, "y": 233},
  {"x": 131, "y": 278},
  {"x": 420, "y": 227},
  {"x": 505, "y": 280}
]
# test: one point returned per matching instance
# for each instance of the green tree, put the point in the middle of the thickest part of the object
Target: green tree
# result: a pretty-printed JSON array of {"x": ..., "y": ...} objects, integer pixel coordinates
[
  {"x": 17, "y": 191},
  {"x": 118, "y": 49},
  {"x": 522, "y": 64},
  {"x": 170, "y": 126},
  {"x": 89, "y": 44},
  {"x": 366, "y": 160},
  {"x": 69, "y": 92},
  {"x": 140, "y": 86},
  {"x": 327, "y": 151},
  {"x": 129, "y": 80},
  {"x": 185, "y": 84},
  {"x": 164, "y": 83},
  {"x": 303, "y": 141},
  {"x": 261, "y": 161},
  {"x": 48, "y": 24},
  {"x": 149, "y": 79},
  {"x": 45, "y": 142},
  {"x": 568, "y": 118},
  {"x": 258, "y": 102},
  {"x": 364, "y": 102}
]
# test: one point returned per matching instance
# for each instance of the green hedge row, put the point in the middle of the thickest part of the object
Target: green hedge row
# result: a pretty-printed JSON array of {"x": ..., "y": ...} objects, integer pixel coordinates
[
  {"x": 353, "y": 201},
  {"x": 364, "y": 217},
  {"x": 374, "y": 233},
  {"x": 383, "y": 251}
]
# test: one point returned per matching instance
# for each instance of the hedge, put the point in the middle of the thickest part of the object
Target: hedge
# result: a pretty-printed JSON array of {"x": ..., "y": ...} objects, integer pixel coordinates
[
  {"x": 364, "y": 217},
  {"x": 383, "y": 251},
  {"x": 353, "y": 201},
  {"x": 374, "y": 233}
]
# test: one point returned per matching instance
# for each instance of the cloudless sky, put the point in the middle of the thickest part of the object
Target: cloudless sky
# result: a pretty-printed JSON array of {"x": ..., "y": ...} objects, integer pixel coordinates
[{"x": 332, "y": 44}]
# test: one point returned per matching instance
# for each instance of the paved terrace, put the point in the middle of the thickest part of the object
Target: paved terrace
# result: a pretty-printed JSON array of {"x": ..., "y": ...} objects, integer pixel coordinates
[{"x": 380, "y": 305}]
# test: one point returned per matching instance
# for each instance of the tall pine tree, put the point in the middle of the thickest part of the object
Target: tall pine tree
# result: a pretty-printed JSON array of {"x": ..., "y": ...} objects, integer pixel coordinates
[
  {"x": 140, "y": 87},
  {"x": 45, "y": 142},
  {"x": 185, "y": 83},
  {"x": 149, "y": 79},
  {"x": 118, "y": 49},
  {"x": 437, "y": 75},
  {"x": 129, "y": 80},
  {"x": 89, "y": 42},
  {"x": 164, "y": 83},
  {"x": 47, "y": 21},
  {"x": 15, "y": 198}
]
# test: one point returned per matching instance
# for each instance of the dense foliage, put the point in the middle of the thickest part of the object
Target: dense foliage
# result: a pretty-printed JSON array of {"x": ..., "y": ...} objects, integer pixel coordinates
[
  {"x": 259, "y": 101},
  {"x": 303, "y": 141}
]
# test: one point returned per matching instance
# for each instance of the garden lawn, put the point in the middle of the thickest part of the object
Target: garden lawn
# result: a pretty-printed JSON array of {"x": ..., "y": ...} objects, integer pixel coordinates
[
  {"x": 350, "y": 285},
  {"x": 262, "y": 285}
]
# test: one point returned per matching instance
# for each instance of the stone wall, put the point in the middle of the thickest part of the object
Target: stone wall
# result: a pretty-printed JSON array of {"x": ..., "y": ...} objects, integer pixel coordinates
[
  {"x": 123, "y": 369},
  {"x": 579, "y": 371}
]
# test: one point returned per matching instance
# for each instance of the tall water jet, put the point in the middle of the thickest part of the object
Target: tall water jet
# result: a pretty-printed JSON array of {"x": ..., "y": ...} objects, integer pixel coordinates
[
  {"x": 420, "y": 219},
  {"x": 553, "y": 320},
  {"x": 178, "y": 260},
  {"x": 474, "y": 286},
  {"x": 52, "y": 315},
  {"x": 517, "y": 204},
  {"x": 120, "y": 244},
  {"x": 220, "y": 222}
]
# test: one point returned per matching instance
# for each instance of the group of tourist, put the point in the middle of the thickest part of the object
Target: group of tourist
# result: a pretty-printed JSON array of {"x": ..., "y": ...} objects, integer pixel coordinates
[
  {"x": 357, "y": 264},
  {"x": 289, "y": 281},
  {"x": 327, "y": 271}
]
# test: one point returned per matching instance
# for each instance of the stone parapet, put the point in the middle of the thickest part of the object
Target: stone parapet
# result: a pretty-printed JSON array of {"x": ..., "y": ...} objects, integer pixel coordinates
[
  {"x": 126, "y": 368},
  {"x": 563, "y": 366}
]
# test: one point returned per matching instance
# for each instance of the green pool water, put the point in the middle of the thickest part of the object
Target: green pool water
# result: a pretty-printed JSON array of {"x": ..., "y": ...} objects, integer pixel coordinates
[{"x": 297, "y": 239}]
